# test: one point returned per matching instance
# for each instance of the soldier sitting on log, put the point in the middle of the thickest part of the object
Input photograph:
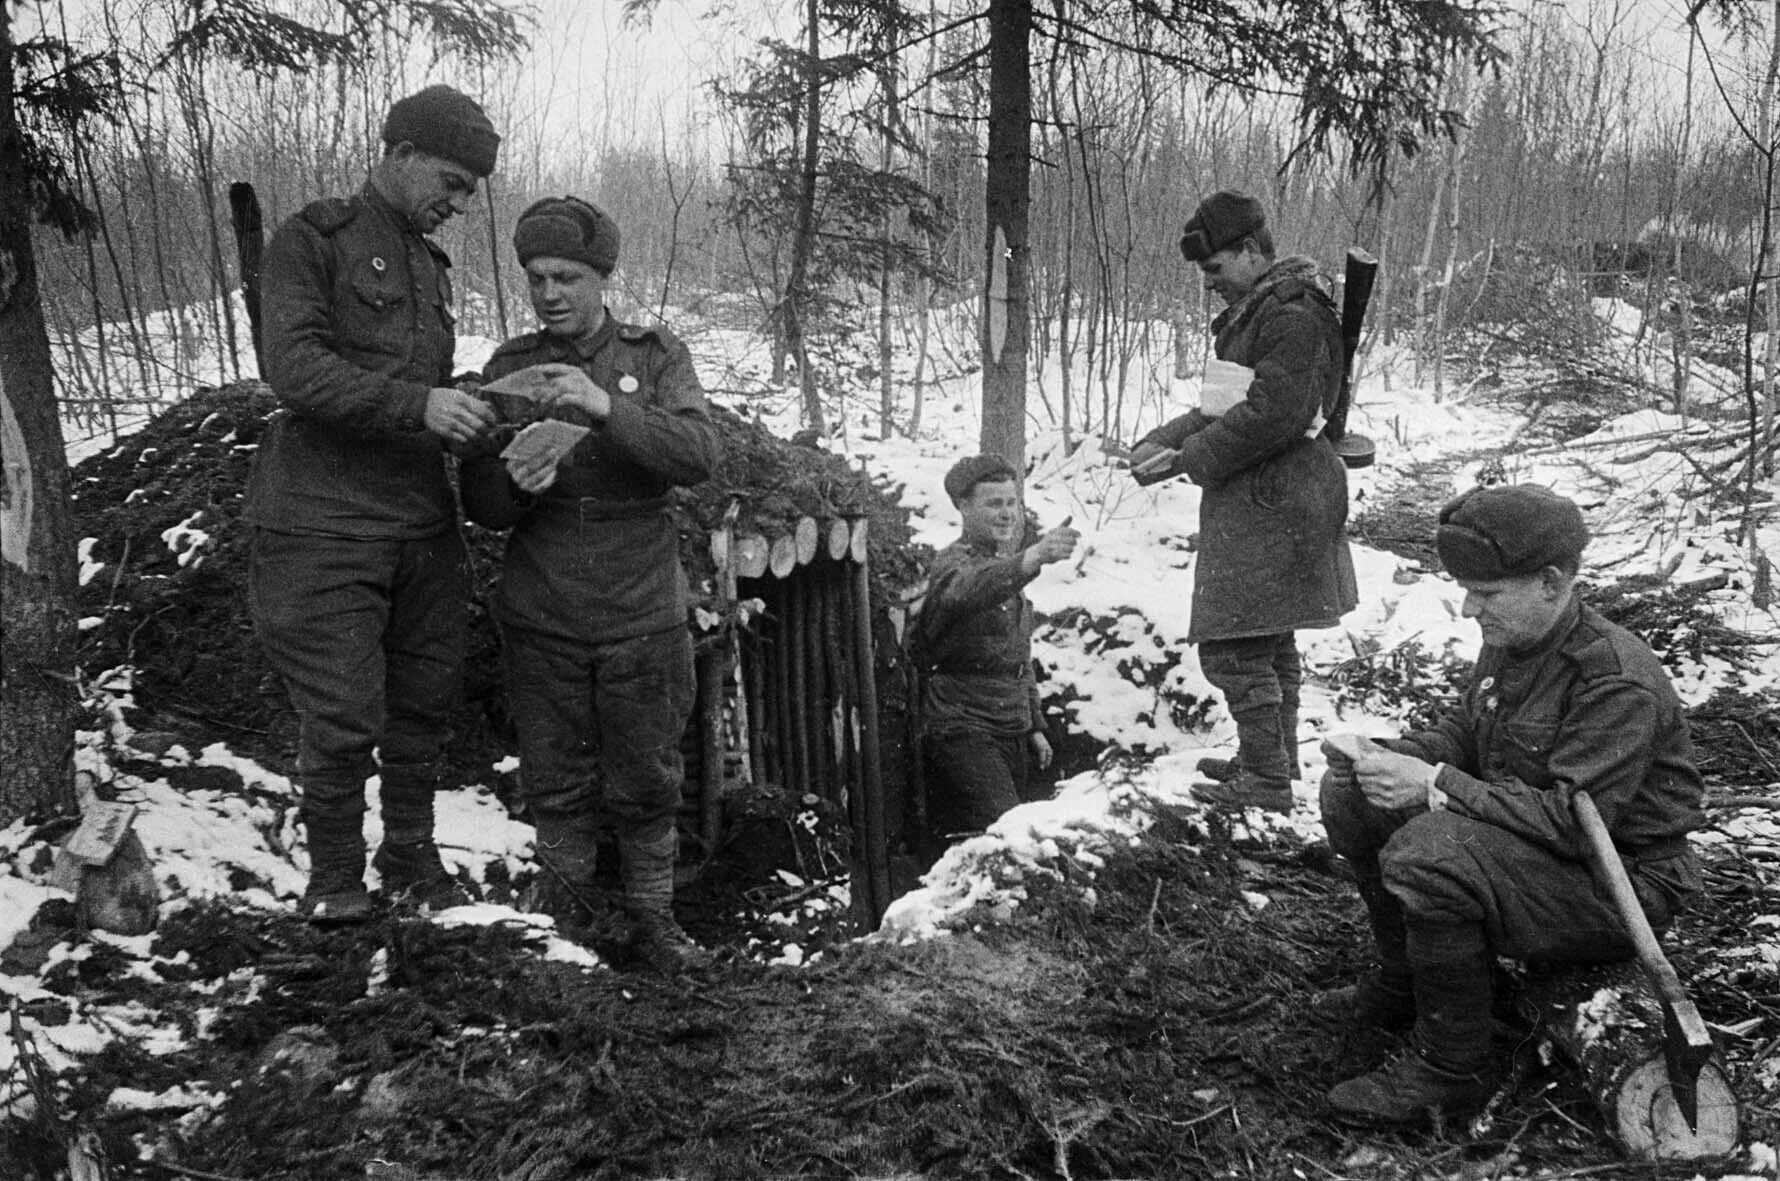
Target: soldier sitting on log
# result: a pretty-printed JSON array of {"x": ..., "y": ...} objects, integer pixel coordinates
[
  {"x": 1462, "y": 837},
  {"x": 982, "y": 729}
]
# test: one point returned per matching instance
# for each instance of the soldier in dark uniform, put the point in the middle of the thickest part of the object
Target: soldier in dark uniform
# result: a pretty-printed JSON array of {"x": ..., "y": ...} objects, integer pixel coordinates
[
  {"x": 593, "y": 601},
  {"x": 982, "y": 729},
  {"x": 359, "y": 580},
  {"x": 1462, "y": 837}
]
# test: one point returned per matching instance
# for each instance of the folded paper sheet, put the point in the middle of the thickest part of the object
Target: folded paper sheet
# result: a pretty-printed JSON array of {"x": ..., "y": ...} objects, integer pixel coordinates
[
  {"x": 548, "y": 438},
  {"x": 1226, "y": 383}
]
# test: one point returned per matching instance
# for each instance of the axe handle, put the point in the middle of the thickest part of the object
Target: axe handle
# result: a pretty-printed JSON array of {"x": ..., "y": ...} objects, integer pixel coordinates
[{"x": 1610, "y": 872}]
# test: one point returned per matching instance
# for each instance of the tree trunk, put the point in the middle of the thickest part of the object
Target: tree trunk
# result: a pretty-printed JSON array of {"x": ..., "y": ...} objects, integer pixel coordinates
[
  {"x": 37, "y": 617},
  {"x": 796, "y": 299},
  {"x": 1005, "y": 312}
]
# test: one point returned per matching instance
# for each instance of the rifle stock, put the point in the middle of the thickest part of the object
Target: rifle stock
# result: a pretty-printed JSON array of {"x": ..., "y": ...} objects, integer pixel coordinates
[{"x": 1356, "y": 296}]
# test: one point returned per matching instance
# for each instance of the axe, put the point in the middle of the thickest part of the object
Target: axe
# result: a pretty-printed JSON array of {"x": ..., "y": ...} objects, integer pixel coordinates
[
  {"x": 1687, "y": 1044},
  {"x": 1356, "y": 296}
]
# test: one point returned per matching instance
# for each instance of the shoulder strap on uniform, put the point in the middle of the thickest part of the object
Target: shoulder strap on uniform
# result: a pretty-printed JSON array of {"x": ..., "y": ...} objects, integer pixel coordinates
[
  {"x": 330, "y": 214},
  {"x": 636, "y": 333},
  {"x": 519, "y": 344}
]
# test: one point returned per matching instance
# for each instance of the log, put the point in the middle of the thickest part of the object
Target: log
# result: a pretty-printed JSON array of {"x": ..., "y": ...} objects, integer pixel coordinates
[
  {"x": 857, "y": 547},
  {"x": 751, "y": 555},
  {"x": 797, "y": 604},
  {"x": 720, "y": 548},
  {"x": 839, "y": 538},
  {"x": 761, "y": 757},
  {"x": 781, "y": 700},
  {"x": 1608, "y": 1021},
  {"x": 714, "y": 668},
  {"x": 809, "y": 595},
  {"x": 783, "y": 559},
  {"x": 807, "y": 538},
  {"x": 876, "y": 853}
]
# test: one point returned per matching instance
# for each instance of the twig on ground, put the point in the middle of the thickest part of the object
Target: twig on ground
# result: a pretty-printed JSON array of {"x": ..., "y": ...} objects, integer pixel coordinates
[
  {"x": 1742, "y": 802},
  {"x": 199, "y": 1174}
]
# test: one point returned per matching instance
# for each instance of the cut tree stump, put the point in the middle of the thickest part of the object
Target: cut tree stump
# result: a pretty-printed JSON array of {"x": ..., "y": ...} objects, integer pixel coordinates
[{"x": 1608, "y": 1021}]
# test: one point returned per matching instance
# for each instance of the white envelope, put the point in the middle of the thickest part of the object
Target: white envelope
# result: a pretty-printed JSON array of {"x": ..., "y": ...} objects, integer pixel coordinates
[
  {"x": 550, "y": 438},
  {"x": 1226, "y": 383}
]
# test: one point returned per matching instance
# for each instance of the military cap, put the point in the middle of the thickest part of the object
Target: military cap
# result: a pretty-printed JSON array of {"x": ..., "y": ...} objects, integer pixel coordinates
[
  {"x": 1509, "y": 531},
  {"x": 567, "y": 227},
  {"x": 444, "y": 122},
  {"x": 966, "y": 474},
  {"x": 1222, "y": 220}
]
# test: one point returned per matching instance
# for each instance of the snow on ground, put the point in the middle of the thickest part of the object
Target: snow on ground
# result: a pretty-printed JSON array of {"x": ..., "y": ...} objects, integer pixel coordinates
[{"x": 1133, "y": 569}]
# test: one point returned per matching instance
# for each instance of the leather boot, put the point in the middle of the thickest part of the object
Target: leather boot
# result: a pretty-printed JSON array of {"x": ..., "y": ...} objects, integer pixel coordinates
[
  {"x": 656, "y": 936},
  {"x": 333, "y": 826},
  {"x": 1264, "y": 779},
  {"x": 567, "y": 849},
  {"x": 1218, "y": 770},
  {"x": 1448, "y": 1070},
  {"x": 1383, "y": 997},
  {"x": 1288, "y": 732},
  {"x": 408, "y": 859}
]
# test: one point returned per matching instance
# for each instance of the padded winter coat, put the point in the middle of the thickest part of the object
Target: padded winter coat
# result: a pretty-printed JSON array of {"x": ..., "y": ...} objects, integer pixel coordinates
[{"x": 1272, "y": 555}]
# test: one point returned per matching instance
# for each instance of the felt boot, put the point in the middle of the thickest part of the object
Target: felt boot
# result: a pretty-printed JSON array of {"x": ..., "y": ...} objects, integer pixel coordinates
[
  {"x": 1448, "y": 1071},
  {"x": 408, "y": 859},
  {"x": 334, "y": 828},
  {"x": 656, "y": 936}
]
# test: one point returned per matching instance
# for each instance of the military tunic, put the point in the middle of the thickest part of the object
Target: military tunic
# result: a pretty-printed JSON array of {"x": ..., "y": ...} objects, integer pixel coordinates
[
  {"x": 359, "y": 581},
  {"x": 357, "y": 331},
  {"x": 1588, "y": 708},
  {"x": 972, "y": 642},
  {"x": 593, "y": 600}
]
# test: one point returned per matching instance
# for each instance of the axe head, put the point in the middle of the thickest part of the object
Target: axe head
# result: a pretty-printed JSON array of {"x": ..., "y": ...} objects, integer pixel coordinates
[{"x": 1687, "y": 1045}]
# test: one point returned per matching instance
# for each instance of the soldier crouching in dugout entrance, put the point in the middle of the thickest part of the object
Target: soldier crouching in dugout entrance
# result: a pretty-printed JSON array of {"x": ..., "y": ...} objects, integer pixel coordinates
[
  {"x": 592, "y": 603},
  {"x": 982, "y": 728},
  {"x": 1462, "y": 837}
]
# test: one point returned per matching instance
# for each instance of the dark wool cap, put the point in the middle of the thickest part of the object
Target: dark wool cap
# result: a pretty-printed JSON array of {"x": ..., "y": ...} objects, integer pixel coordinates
[
  {"x": 444, "y": 122},
  {"x": 966, "y": 474},
  {"x": 567, "y": 227},
  {"x": 1222, "y": 220},
  {"x": 1509, "y": 531}
]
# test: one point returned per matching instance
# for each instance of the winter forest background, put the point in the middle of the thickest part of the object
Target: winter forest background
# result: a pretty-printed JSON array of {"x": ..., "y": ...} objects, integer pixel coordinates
[{"x": 1606, "y": 144}]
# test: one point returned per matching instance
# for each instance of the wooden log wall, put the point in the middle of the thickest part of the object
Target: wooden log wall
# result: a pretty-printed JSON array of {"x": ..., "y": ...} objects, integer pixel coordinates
[{"x": 800, "y": 690}]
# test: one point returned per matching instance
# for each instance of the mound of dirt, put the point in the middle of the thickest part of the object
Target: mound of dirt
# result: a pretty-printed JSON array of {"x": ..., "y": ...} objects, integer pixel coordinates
[{"x": 165, "y": 567}]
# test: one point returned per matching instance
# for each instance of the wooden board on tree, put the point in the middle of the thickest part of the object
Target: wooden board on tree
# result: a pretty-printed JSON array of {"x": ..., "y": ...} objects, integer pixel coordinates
[{"x": 1608, "y": 1021}]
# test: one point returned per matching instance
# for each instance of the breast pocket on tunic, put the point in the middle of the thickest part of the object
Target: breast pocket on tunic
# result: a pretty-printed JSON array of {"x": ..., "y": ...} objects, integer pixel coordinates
[
  {"x": 379, "y": 318},
  {"x": 1526, "y": 749}
]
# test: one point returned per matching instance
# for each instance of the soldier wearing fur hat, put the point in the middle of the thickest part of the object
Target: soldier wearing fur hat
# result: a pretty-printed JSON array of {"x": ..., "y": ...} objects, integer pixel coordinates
[
  {"x": 1462, "y": 837},
  {"x": 359, "y": 581},
  {"x": 592, "y": 603},
  {"x": 1273, "y": 503},
  {"x": 982, "y": 729}
]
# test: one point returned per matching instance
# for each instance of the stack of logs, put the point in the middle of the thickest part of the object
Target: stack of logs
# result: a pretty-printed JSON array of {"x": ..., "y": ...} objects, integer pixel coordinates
[{"x": 797, "y": 706}]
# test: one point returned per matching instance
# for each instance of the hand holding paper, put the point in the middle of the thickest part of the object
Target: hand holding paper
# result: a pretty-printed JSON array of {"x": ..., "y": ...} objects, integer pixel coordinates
[{"x": 535, "y": 452}]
